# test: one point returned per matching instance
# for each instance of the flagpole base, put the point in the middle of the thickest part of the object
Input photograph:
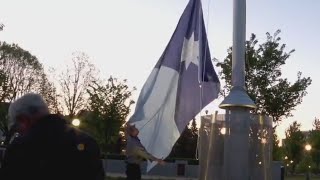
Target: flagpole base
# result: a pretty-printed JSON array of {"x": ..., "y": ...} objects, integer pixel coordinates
[
  {"x": 237, "y": 97},
  {"x": 236, "y": 146}
]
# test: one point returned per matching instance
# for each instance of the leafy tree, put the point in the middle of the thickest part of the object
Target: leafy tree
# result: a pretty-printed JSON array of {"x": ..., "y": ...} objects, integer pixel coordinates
[
  {"x": 315, "y": 143},
  {"x": 306, "y": 164},
  {"x": 277, "y": 151},
  {"x": 74, "y": 83},
  {"x": 186, "y": 145},
  {"x": 316, "y": 124},
  {"x": 4, "y": 85},
  {"x": 294, "y": 144},
  {"x": 182, "y": 147},
  {"x": 274, "y": 95},
  {"x": 108, "y": 107},
  {"x": 49, "y": 93},
  {"x": 3, "y": 118},
  {"x": 21, "y": 72},
  {"x": 1, "y": 26}
]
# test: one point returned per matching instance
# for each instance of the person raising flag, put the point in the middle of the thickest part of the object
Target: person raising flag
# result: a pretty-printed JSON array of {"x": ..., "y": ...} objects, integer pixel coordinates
[{"x": 136, "y": 154}]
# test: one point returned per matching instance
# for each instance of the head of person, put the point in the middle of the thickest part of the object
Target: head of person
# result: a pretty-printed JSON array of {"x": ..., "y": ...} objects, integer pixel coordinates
[
  {"x": 132, "y": 130},
  {"x": 26, "y": 111}
]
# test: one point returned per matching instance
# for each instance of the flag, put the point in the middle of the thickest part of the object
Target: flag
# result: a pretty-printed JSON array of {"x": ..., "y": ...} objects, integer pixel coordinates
[{"x": 182, "y": 82}]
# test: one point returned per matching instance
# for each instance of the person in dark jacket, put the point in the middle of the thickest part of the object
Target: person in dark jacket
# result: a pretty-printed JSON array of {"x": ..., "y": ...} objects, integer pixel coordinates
[
  {"x": 136, "y": 154},
  {"x": 47, "y": 148}
]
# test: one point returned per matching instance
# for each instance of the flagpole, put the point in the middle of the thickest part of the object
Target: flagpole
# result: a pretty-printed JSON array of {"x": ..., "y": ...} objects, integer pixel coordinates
[{"x": 237, "y": 104}]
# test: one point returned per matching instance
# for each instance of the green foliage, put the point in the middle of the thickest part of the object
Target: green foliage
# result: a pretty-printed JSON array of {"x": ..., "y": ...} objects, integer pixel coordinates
[
  {"x": 109, "y": 106},
  {"x": 306, "y": 164},
  {"x": 3, "y": 118},
  {"x": 274, "y": 96},
  {"x": 316, "y": 124},
  {"x": 294, "y": 144},
  {"x": 314, "y": 140},
  {"x": 277, "y": 151},
  {"x": 22, "y": 71},
  {"x": 186, "y": 146},
  {"x": 49, "y": 93}
]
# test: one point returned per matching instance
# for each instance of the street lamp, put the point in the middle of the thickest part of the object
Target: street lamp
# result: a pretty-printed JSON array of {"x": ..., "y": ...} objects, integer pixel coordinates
[
  {"x": 76, "y": 122},
  {"x": 308, "y": 148}
]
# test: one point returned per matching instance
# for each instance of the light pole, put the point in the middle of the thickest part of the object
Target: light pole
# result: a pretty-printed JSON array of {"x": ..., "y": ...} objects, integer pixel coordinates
[{"x": 308, "y": 148}]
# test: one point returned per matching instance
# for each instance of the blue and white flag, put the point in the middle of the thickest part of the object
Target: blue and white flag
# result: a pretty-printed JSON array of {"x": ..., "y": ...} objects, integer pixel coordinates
[{"x": 180, "y": 85}]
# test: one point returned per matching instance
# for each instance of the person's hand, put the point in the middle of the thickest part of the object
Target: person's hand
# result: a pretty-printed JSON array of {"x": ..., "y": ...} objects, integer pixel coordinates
[{"x": 161, "y": 162}]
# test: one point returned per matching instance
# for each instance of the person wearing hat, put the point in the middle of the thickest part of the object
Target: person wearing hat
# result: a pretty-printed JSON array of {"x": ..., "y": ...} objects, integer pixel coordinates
[
  {"x": 47, "y": 147},
  {"x": 136, "y": 154}
]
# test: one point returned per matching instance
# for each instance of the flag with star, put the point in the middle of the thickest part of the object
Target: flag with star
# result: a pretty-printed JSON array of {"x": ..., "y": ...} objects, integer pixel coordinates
[{"x": 182, "y": 83}]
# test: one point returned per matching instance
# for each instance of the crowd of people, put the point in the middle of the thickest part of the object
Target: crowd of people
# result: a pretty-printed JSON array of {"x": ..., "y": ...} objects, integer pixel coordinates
[{"x": 45, "y": 146}]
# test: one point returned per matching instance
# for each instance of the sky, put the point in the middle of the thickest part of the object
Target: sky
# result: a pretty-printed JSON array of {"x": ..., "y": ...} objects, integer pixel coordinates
[{"x": 125, "y": 38}]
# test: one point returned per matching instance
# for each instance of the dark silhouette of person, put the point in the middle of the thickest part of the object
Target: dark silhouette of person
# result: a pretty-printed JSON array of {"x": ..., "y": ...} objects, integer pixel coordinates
[{"x": 47, "y": 148}]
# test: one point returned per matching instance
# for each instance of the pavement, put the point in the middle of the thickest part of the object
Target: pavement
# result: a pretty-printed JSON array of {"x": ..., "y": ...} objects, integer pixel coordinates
[{"x": 152, "y": 177}]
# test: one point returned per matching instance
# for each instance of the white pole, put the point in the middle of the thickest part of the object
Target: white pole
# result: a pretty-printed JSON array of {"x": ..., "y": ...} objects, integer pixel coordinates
[
  {"x": 239, "y": 38},
  {"x": 237, "y": 104}
]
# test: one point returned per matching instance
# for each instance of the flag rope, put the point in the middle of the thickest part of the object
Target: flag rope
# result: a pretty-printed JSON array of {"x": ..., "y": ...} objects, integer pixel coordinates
[{"x": 203, "y": 74}]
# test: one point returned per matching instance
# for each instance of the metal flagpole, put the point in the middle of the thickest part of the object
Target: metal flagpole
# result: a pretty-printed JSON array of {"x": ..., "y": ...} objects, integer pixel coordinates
[{"x": 237, "y": 104}]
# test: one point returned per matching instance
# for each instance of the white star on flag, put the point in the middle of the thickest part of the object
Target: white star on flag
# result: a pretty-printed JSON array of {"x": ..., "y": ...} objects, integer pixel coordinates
[{"x": 190, "y": 51}]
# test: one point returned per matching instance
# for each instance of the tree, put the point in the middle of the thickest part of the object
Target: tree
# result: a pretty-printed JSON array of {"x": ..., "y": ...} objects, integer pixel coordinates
[
  {"x": 1, "y": 26},
  {"x": 277, "y": 151},
  {"x": 4, "y": 119},
  {"x": 316, "y": 124},
  {"x": 49, "y": 93},
  {"x": 186, "y": 145},
  {"x": 108, "y": 107},
  {"x": 74, "y": 83},
  {"x": 294, "y": 144},
  {"x": 21, "y": 72},
  {"x": 315, "y": 143},
  {"x": 182, "y": 148},
  {"x": 274, "y": 96}
]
